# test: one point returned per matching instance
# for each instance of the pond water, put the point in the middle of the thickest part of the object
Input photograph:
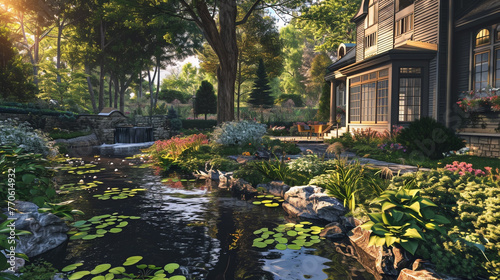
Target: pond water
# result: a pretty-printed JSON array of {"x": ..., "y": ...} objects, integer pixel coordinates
[{"x": 204, "y": 229}]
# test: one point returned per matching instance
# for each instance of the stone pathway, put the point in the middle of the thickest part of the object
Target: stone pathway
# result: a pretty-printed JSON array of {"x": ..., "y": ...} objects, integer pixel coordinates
[{"x": 320, "y": 148}]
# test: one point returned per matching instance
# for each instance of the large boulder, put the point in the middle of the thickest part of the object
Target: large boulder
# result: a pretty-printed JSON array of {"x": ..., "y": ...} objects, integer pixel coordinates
[
  {"x": 48, "y": 230},
  {"x": 310, "y": 202},
  {"x": 241, "y": 187},
  {"x": 378, "y": 259},
  {"x": 276, "y": 188}
]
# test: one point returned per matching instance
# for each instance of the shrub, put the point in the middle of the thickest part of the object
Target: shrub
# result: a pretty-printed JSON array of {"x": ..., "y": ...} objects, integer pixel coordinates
[
  {"x": 429, "y": 138},
  {"x": 365, "y": 136},
  {"x": 40, "y": 270},
  {"x": 279, "y": 170},
  {"x": 248, "y": 173},
  {"x": 25, "y": 137},
  {"x": 296, "y": 98},
  {"x": 175, "y": 122},
  {"x": 32, "y": 175},
  {"x": 239, "y": 133},
  {"x": 311, "y": 165},
  {"x": 199, "y": 124}
]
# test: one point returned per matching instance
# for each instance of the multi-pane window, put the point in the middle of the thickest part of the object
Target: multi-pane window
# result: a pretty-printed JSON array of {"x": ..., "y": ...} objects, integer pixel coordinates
[
  {"x": 410, "y": 94},
  {"x": 368, "y": 98},
  {"x": 483, "y": 37},
  {"x": 481, "y": 71},
  {"x": 370, "y": 40},
  {"x": 404, "y": 25}
]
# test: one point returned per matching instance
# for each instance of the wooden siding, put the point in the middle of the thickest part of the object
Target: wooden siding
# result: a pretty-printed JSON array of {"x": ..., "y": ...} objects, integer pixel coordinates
[
  {"x": 385, "y": 26},
  {"x": 426, "y": 21},
  {"x": 442, "y": 61},
  {"x": 461, "y": 60},
  {"x": 432, "y": 87},
  {"x": 360, "y": 34}
]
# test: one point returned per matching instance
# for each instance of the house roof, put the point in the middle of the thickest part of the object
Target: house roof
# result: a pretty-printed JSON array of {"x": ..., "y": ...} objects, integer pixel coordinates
[
  {"x": 363, "y": 10},
  {"x": 348, "y": 58},
  {"x": 482, "y": 12}
]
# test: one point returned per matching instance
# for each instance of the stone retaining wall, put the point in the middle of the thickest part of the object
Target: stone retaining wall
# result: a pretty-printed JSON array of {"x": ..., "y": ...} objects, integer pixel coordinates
[{"x": 486, "y": 145}]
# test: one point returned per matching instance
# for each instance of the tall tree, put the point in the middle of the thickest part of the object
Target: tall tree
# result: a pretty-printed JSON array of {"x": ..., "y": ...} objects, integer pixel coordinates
[
  {"x": 292, "y": 79},
  {"x": 330, "y": 22},
  {"x": 218, "y": 21},
  {"x": 316, "y": 74},
  {"x": 206, "y": 101},
  {"x": 261, "y": 97}
]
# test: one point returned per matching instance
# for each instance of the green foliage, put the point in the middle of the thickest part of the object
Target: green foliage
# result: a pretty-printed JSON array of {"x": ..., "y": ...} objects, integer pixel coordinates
[
  {"x": 199, "y": 124},
  {"x": 324, "y": 104},
  {"x": 15, "y": 84},
  {"x": 404, "y": 218},
  {"x": 173, "y": 118},
  {"x": 24, "y": 136},
  {"x": 31, "y": 178},
  {"x": 278, "y": 170},
  {"x": 260, "y": 96},
  {"x": 471, "y": 203},
  {"x": 6, "y": 243},
  {"x": 39, "y": 270},
  {"x": 206, "y": 101},
  {"x": 311, "y": 165},
  {"x": 317, "y": 19},
  {"x": 170, "y": 95},
  {"x": 248, "y": 173},
  {"x": 429, "y": 138},
  {"x": 343, "y": 182},
  {"x": 296, "y": 98},
  {"x": 68, "y": 135},
  {"x": 61, "y": 209}
]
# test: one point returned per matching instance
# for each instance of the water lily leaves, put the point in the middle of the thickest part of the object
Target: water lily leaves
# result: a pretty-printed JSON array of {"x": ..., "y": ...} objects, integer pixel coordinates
[
  {"x": 134, "y": 217},
  {"x": 268, "y": 200},
  {"x": 177, "y": 277},
  {"x": 117, "y": 270},
  {"x": 78, "y": 275},
  {"x": 296, "y": 237},
  {"x": 171, "y": 267},
  {"x": 71, "y": 267},
  {"x": 85, "y": 229},
  {"x": 272, "y": 204},
  {"x": 116, "y": 193},
  {"x": 132, "y": 260},
  {"x": 100, "y": 268},
  {"x": 257, "y": 202}
]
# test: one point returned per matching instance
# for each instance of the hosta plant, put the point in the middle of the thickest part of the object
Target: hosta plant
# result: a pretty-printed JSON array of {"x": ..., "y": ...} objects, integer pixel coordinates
[{"x": 404, "y": 219}]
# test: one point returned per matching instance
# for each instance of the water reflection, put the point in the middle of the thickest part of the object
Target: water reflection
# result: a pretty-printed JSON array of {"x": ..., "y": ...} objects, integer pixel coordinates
[{"x": 203, "y": 228}]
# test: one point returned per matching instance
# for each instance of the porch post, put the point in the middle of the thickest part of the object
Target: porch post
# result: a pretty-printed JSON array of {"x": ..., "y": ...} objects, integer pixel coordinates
[{"x": 333, "y": 102}]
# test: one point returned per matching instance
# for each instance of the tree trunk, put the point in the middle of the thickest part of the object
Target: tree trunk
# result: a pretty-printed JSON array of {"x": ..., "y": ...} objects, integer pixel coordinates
[
  {"x": 140, "y": 85},
  {"x": 109, "y": 92},
  {"x": 91, "y": 89},
  {"x": 158, "y": 67},
  {"x": 238, "y": 93},
  {"x": 117, "y": 91},
  {"x": 101, "y": 66}
]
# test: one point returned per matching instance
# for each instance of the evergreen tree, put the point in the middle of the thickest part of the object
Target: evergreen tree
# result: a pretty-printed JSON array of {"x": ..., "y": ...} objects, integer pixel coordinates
[
  {"x": 261, "y": 93},
  {"x": 206, "y": 101},
  {"x": 324, "y": 104}
]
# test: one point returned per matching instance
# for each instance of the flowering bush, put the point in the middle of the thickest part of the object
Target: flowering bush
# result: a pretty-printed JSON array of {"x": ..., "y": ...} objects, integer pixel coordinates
[
  {"x": 475, "y": 101},
  {"x": 464, "y": 168},
  {"x": 239, "y": 133},
  {"x": 25, "y": 137},
  {"x": 392, "y": 147},
  {"x": 311, "y": 165}
]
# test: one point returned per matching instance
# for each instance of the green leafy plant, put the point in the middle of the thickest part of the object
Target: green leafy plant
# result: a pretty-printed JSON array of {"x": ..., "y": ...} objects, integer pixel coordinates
[
  {"x": 39, "y": 270},
  {"x": 95, "y": 227},
  {"x": 430, "y": 138},
  {"x": 343, "y": 181},
  {"x": 61, "y": 209},
  {"x": 239, "y": 133},
  {"x": 279, "y": 170},
  {"x": 288, "y": 236},
  {"x": 404, "y": 218},
  {"x": 6, "y": 243},
  {"x": 32, "y": 178}
]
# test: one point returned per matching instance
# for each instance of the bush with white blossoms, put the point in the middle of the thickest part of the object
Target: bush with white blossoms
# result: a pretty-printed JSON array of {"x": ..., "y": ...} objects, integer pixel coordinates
[
  {"x": 239, "y": 133},
  {"x": 311, "y": 164},
  {"x": 24, "y": 136}
]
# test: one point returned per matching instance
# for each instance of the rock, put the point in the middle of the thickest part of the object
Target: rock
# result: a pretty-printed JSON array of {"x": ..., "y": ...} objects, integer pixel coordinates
[
  {"x": 262, "y": 154},
  {"x": 311, "y": 202},
  {"x": 242, "y": 187},
  {"x": 48, "y": 230},
  {"x": 407, "y": 274},
  {"x": 276, "y": 188},
  {"x": 378, "y": 260},
  {"x": 333, "y": 231},
  {"x": 350, "y": 222}
]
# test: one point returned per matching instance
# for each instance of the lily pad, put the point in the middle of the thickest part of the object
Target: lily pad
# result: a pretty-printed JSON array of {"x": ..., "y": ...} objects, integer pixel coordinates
[
  {"x": 291, "y": 233},
  {"x": 132, "y": 260},
  {"x": 257, "y": 202},
  {"x": 280, "y": 246},
  {"x": 171, "y": 267},
  {"x": 177, "y": 277},
  {"x": 117, "y": 270},
  {"x": 71, "y": 267},
  {"x": 293, "y": 246},
  {"x": 260, "y": 244},
  {"x": 78, "y": 275},
  {"x": 115, "y": 230},
  {"x": 100, "y": 268}
]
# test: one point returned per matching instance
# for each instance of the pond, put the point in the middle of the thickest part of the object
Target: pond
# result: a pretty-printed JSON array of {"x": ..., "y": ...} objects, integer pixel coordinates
[{"x": 203, "y": 228}]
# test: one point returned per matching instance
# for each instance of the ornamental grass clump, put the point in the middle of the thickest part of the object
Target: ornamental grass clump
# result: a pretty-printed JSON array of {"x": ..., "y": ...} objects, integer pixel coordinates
[
  {"x": 166, "y": 153},
  {"x": 239, "y": 133}
]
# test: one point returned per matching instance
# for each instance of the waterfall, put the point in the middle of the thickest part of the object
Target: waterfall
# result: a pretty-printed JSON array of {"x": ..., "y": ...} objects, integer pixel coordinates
[{"x": 133, "y": 134}]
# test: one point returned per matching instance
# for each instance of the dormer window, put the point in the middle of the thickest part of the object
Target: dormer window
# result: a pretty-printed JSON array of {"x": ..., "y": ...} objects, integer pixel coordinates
[
  {"x": 482, "y": 37},
  {"x": 372, "y": 16},
  {"x": 404, "y": 21},
  {"x": 404, "y": 25}
]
